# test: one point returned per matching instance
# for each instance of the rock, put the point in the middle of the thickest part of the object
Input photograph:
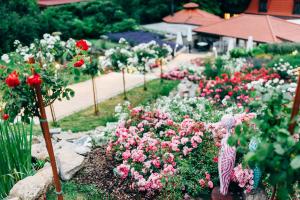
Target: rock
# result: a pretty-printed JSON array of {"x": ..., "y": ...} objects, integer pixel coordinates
[
  {"x": 99, "y": 130},
  {"x": 37, "y": 139},
  {"x": 83, "y": 145},
  {"x": 258, "y": 194},
  {"x": 13, "y": 198},
  {"x": 68, "y": 163},
  {"x": 100, "y": 139},
  {"x": 69, "y": 136},
  {"x": 193, "y": 90},
  {"x": 39, "y": 151},
  {"x": 32, "y": 187},
  {"x": 54, "y": 131},
  {"x": 63, "y": 144}
]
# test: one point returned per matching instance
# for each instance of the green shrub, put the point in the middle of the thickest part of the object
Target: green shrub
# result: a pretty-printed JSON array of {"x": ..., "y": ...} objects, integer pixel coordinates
[
  {"x": 280, "y": 48},
  {"x": 217, "y": 68},
  {"x": 18, "y": 20},
  {"x": 291, "y": 59},
  {"x": 86, "y": 19},
  {"x": 239, "y": 53},
  {"x": 15, "y": 156}
]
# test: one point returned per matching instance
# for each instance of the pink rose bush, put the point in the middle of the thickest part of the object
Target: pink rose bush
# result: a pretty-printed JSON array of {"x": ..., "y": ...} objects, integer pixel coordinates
[
  {"x": 180, "y": 74},
  {"x": 174, "y": 145},
  {"x": 244, "y": 177},
  {"x": 149, "y": 144}
]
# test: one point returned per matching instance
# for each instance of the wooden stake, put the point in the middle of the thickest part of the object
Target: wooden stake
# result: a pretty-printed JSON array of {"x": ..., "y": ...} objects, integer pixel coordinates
[
  {"x": 53, "y": 114},
  {"x": 161, "y": 71},
  {"x": 124, "y": 85},
  {"x": 145, "y": 86},
  {"x": 296, "y": 107},
  {"x": 47, "y": 137},
  {"x": 95, "y": 95}
]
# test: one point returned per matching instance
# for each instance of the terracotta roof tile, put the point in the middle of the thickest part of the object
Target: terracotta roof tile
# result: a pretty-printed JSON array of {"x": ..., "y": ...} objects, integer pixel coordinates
[
  {"x": 282, "y": 8},
  {"x": 191, "y": 5},
  {"x": 262, "y": 28},
  {"x": 192, "y": 15},
  {"x": 45, "y": 3}
]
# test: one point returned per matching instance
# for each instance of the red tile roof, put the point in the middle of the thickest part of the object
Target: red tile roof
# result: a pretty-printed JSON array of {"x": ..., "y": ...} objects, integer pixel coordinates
[
  {"x": 192, "y": 15},
  {"x": 191, "y": 5},
  {"x": 44, "y": 3},
  {"x": 283, "y": 8},
  {"x": 263, "y": 28}
]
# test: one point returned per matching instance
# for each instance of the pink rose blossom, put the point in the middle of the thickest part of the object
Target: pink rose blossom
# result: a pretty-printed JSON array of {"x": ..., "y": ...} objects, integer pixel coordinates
[
  {"x": 210, "y": 184},
  {"x": 123, "y": 170},
  {"x": 202, "y": 182},
  {"x": 126, "y": 155}
]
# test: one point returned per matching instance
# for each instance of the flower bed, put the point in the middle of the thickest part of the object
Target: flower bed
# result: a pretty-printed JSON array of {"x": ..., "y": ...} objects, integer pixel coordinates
[{"x": 174, "y": 147}]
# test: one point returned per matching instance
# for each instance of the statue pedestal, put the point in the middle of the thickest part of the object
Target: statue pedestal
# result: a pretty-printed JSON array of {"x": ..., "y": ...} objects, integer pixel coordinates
[{"x": 216, "y": 195}]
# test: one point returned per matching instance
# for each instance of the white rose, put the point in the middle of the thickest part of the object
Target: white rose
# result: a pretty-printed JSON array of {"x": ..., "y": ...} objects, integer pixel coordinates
[{"x": 5, "y": 58}]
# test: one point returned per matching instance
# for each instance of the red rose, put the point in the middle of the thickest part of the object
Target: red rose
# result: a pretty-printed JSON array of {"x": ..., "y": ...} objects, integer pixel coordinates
[
  {"x": 12, "y": 80},
  {"x": 215, "y": 159},
  {"x": 5, "y": 117},
  {"x": 79, "y": 63},
  {"x": 230, "y": 93},
  {"x": 34, "y": 79},
  {"x": 82, "y": 44}
]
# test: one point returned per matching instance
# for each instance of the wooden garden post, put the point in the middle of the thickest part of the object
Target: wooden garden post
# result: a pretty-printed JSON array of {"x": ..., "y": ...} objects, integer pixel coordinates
[
  {"x": 53, "y": 114},
  {"x": 161, "y": 70},
  {"x": 47, "y": 137},
  {"x": 145, "y": 86},
  {"x": 95, "y": 95},
  {"x": 124, "y": 84}
]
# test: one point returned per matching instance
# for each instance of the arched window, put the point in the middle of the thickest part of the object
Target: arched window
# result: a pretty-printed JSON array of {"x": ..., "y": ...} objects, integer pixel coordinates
[
  {"x": 263, "y": 6},
  {"x": 296, "y": 7}
]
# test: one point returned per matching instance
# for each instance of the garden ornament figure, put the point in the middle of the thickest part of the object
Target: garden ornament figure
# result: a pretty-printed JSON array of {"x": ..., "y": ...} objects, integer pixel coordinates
[{"x": 227, "y": 156}]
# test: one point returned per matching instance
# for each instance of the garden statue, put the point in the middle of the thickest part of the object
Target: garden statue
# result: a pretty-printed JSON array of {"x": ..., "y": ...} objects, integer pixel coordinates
[{"x": 227, "y": 156}]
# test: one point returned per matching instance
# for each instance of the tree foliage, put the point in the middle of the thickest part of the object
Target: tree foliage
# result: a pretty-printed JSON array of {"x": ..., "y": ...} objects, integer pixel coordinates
[{"x": 24, "y": 20}]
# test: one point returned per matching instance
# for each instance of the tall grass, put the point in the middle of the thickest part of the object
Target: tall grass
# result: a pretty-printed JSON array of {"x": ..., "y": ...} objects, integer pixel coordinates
[{"x": 15, "y": 154}]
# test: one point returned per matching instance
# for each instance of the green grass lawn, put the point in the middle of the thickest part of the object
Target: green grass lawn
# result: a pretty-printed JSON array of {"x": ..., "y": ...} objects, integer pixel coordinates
[{"x": 73, "y": 191}]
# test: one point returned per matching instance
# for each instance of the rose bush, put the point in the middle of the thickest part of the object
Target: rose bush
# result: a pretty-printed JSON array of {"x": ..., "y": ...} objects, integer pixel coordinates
[
  {"x": 32, "y": 65},
  {"x": 245, "y": 108}
]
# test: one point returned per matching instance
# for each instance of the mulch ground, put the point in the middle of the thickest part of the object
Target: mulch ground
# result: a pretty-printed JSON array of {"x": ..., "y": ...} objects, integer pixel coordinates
[{"x": 98, "y": 170}]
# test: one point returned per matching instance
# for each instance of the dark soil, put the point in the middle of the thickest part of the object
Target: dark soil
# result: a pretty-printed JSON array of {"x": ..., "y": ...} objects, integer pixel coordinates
[{"x": 98, "y": 171}]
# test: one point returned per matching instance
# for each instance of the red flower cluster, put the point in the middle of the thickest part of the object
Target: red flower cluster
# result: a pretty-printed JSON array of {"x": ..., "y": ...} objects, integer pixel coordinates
[
  {"x": 12, "y": 80},
  {"x": 79, "y": 63},
  {"x": 83, "y": 45},
  {"x": 234, "y": 86},
  {"x": 34, "y": 79}
]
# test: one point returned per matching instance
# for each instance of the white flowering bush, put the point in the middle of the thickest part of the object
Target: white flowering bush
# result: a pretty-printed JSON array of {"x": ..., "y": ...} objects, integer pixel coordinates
[
  {"x": 118, "y": 58},
  {"x": 284, "y": 69}
]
